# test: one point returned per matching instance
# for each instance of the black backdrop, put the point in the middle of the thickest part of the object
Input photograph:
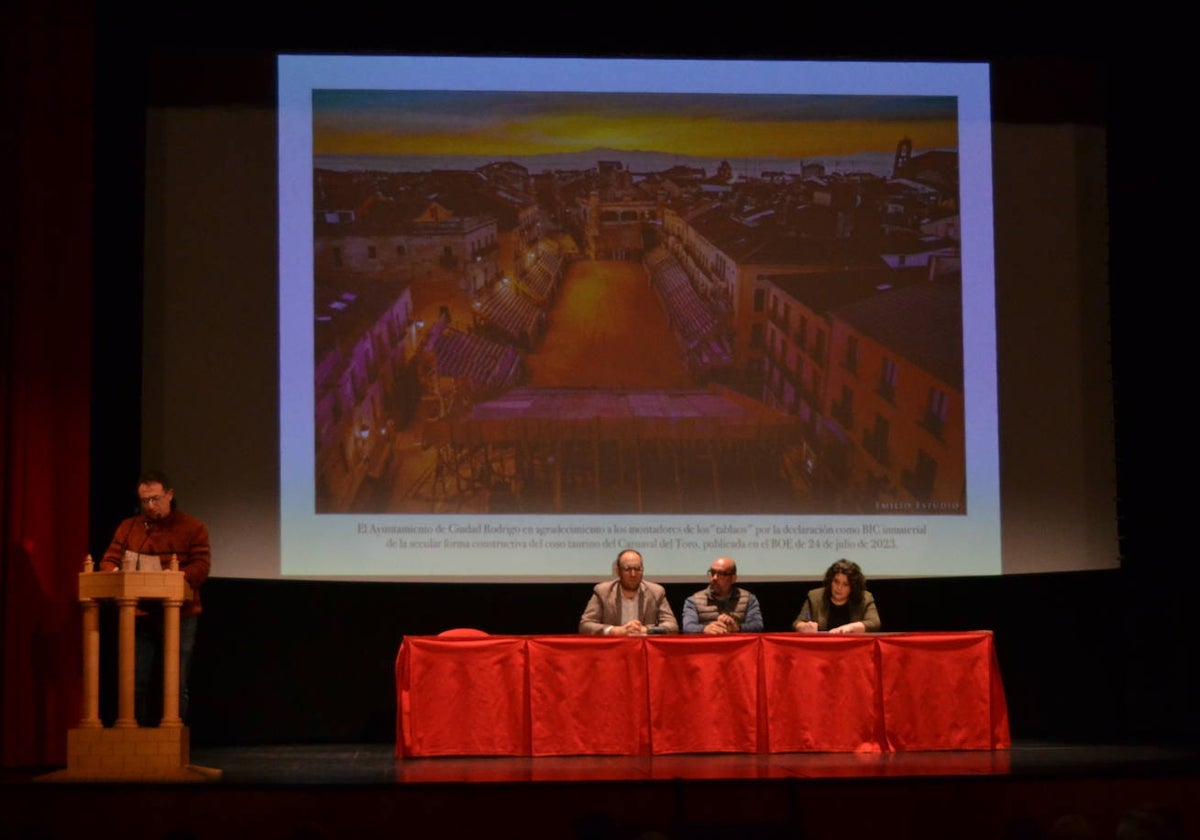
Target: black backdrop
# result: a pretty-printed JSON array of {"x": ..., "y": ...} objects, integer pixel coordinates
[
  {"x": 1096, "y": 656},
  {"x": 283, "y": 662}
]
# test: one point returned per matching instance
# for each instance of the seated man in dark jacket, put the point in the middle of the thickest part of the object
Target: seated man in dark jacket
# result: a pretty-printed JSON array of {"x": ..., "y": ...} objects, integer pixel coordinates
[{"x": 723, "y": 607}]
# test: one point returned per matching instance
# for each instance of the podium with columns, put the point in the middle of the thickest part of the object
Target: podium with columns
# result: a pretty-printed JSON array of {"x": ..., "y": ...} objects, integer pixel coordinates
[{"x": 126, "y": 751}]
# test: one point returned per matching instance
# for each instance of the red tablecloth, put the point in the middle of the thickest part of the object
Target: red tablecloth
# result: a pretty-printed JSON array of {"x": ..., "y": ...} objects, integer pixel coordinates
[{"x": 767, "y": 693}]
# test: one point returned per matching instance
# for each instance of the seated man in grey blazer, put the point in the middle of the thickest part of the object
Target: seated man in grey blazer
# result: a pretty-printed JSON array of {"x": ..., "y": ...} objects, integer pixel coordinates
[{"x": 629, "y": 605}]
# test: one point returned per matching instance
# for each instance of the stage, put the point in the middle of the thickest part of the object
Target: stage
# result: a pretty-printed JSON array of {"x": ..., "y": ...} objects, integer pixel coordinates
[{"x": 362, "y": 790}]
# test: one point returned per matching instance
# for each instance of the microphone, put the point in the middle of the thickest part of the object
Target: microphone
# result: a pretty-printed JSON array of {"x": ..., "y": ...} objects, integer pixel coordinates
[{"x": 148, "y": 525}]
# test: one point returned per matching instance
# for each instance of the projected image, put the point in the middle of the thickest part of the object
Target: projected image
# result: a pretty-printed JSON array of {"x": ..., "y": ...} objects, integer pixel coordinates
[{"x": 637, "y": 303}]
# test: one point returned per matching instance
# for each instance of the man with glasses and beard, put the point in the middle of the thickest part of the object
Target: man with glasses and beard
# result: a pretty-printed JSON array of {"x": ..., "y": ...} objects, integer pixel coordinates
[
  {"x": 147, "y": 541},
  {"x": 723, "y": 607},
  {"x": 629, "y": 605}
]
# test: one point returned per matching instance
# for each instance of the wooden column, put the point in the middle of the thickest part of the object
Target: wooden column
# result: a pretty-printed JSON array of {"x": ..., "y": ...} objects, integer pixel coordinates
[
  {"x": 91, "y": 659},
  {"x": 170, "y": 653},
  {"x": 126, "y": 660}
]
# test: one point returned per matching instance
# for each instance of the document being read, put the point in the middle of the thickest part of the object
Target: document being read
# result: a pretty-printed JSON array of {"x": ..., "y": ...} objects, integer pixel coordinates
[{"x": 134, "y": 562}]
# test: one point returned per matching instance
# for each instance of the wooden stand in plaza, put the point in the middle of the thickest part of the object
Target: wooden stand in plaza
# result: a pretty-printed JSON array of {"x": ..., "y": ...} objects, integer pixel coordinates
[{"x": 126, "y": 751}]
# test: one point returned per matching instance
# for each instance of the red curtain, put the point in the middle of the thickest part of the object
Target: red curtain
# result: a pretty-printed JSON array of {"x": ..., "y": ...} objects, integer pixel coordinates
[{"x": 45, "y": 341}]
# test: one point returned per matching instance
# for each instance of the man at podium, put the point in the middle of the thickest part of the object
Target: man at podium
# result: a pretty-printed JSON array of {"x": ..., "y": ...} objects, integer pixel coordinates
[{"x": 145, "y": 542}]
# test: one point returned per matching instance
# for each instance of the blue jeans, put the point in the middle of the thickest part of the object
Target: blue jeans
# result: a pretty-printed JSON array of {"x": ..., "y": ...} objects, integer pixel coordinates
[{"x": 148, "y": 661}]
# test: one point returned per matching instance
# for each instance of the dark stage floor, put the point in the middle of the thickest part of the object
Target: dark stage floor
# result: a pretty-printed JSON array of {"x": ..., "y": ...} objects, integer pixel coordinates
[
  {"x": 361, "y": 790},
  {"x": 372, "y": 764}
]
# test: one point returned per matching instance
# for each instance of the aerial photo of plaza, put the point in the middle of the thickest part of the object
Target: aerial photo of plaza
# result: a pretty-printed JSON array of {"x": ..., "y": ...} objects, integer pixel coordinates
[{"x": 636, "y": 303}]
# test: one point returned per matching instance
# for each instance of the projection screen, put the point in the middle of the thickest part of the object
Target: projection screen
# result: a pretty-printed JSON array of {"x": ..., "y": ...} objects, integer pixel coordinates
[{"x": 532, "y": 311}]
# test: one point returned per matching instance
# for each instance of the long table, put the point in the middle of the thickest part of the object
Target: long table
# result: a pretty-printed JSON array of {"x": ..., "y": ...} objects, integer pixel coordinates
[{"x": 654, "y": 695}]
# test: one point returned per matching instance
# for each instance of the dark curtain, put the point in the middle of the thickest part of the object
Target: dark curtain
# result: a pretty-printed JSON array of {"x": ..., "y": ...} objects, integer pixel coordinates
[{"x": 45, "y": 350}]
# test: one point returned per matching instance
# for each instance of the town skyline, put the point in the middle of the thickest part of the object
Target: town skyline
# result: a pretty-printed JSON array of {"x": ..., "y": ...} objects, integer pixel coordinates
[{"x": 502, "y": 124}]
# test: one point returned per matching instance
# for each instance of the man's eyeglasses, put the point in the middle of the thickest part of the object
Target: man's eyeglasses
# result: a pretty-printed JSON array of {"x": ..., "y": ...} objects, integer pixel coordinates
[
  {"x": 718, "y": 573},
  {"x": 632, "y": 569},
  {"x": 147, "y": 501}
]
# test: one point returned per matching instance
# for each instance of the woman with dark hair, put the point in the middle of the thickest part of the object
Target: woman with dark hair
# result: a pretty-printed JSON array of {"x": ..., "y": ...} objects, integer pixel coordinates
[{"x": 842, "y": 605}]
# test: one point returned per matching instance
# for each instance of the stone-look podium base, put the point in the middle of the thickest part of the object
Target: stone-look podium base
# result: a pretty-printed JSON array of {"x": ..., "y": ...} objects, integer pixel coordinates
[
  {"x": 125, "y": 751},
  {"x": 141, "y": 754}
]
